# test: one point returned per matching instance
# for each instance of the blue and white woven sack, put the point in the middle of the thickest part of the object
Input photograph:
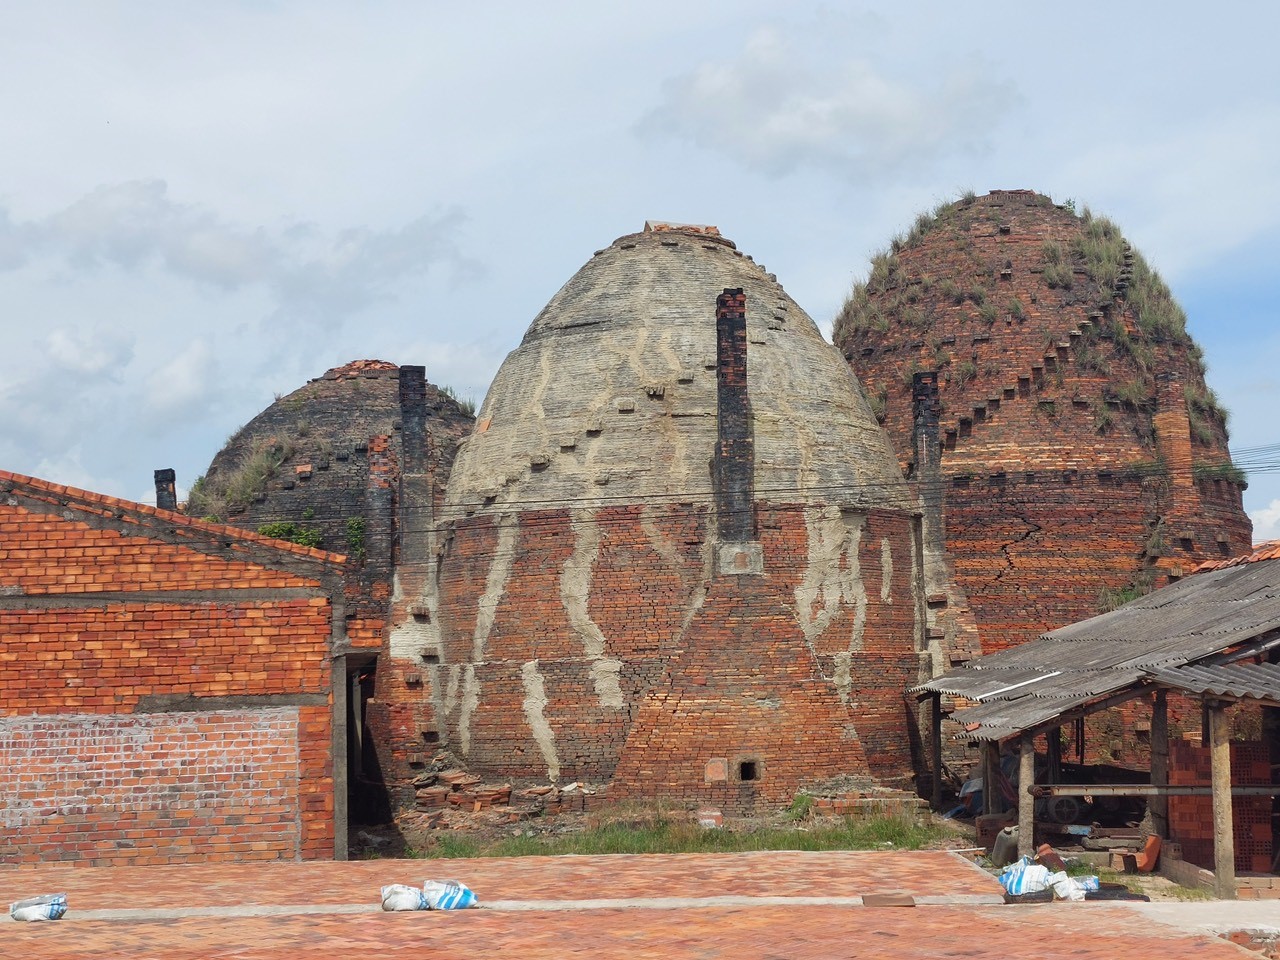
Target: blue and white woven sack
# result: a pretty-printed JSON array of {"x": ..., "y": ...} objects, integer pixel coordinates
[
  {"x": 49, "y": 907},
  {"x": 447, "y": 895},
  {"x": 1023, "y": 876}
]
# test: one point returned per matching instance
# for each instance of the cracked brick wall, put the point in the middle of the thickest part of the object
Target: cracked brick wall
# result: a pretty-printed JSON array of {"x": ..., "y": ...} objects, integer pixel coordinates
[
  {"x": 583, "y": 624},
  {"x": 633, "y": 663},
  {"x": 164, "y": 685}
]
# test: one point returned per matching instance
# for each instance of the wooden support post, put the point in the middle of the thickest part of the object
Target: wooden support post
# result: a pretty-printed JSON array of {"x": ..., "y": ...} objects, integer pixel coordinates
[
  {"x": 338, "y": 751},
  {"x": 357, "y": 727},
  {"x": 1159, "y": 805},
  {"x": 990, "y": 790},
  {"x": 935, "y": 748},
  {"x": 1080, "y": 741},
  {"x": 1026, "y": 802},
  {"x": 1224, "y": 846},
  {"x": 1053, "y": 752}
]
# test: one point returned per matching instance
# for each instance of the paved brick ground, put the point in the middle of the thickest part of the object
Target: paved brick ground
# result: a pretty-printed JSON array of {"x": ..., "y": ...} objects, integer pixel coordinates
[
  {"x": 785, "y": 874},
  {"x": 759, "y": 930}
]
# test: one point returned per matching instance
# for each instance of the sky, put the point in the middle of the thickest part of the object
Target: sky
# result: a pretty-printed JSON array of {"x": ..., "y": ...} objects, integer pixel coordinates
[{"x": 202, "y": 206}]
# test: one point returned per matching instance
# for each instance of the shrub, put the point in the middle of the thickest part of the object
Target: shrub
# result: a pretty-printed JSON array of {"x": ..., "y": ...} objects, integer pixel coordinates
[
  {"x": 293, "y": 532},
  {"x": 239, "y": 485}
]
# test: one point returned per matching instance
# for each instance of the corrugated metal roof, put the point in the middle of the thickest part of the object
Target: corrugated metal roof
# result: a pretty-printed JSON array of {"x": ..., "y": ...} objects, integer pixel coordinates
[
  {"x": 1257, "y": 681},
  {"x": 1159, "y": 637}
]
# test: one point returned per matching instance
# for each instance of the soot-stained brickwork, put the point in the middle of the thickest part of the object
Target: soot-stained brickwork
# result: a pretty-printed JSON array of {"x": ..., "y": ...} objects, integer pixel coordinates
[
  {"x": 578, "y": 619},
  {"x": 1080, "y": 457},
  {"x": 306, "y": 460},
  {"x": 165, "y": 685}
]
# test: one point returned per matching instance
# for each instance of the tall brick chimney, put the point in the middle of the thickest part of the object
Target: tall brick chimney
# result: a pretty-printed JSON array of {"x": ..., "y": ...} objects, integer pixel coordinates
[
  {"x": 735, "y": 447},
  {"x": 925, "y": 408},
  {"x": 413, "y": 419},
  {"x": 166, "y": 489}
]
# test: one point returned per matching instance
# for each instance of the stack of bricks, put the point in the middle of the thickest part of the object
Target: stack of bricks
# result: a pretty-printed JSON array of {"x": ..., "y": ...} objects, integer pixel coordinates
[
  {"x": 164, "y": 685},
  {"x": 870, "y": 805},
  {"x": 1191, "y": 818}
]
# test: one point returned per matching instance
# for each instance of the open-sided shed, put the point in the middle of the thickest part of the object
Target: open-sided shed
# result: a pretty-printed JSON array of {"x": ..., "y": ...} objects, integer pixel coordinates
[{"x": 1214, "y": 636}]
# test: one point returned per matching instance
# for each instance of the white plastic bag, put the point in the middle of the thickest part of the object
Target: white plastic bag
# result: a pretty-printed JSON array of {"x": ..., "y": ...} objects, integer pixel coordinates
[
  {"x": 1023, "y": 876},
  {"x": 49, "y": 907},
  {"x": 447, "y": 895},
  {"x": 1064, "y": 888},
  {"x": 400, "y": 896}
]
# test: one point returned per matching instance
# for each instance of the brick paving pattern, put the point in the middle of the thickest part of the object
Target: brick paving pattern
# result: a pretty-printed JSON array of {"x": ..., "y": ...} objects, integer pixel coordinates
[{"x": 765, "y": 930}]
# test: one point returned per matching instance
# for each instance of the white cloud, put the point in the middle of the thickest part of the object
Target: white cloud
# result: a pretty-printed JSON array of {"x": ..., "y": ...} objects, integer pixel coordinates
[
  {"x": 768, "y": 109},
  {"x": 1266, "y": 522},
  {"x": 313, "y": 275},
  {"x": 1207, "y": 184},
  {"x": 90, "y": 352},
  {"x": 184, "y": 382}
]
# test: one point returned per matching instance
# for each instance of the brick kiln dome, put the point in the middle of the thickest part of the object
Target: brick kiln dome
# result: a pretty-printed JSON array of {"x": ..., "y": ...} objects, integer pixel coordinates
[
  {"x": 305, "y": 459},
  {"x": 612, "y": 392},
  {"x": 1083, "y": 458},
  {"x": 678, "y": 555}
]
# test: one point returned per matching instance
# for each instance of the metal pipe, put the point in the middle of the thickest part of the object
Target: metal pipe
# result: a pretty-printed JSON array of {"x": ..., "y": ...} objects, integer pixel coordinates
[{"x": 1144, "y": 790}]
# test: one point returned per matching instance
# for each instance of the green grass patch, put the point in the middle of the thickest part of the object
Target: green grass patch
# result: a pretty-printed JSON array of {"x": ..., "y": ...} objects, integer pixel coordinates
[{"x": 682, "y": 836}]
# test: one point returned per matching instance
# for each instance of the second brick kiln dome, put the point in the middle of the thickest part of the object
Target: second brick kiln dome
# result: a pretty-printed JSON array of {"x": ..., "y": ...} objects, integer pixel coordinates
[{"x": 612, "y": 392}]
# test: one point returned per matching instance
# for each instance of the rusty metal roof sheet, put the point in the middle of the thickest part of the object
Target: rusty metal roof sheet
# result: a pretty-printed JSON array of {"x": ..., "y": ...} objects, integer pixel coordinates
[{"x": 1160, "y": 637}]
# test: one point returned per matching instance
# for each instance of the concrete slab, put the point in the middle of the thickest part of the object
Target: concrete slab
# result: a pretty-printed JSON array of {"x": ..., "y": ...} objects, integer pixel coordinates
[{"x": 1215, "y": 916}]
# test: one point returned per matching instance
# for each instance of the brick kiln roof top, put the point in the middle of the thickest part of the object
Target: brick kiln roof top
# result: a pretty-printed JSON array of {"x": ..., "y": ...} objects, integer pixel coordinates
[
  {"x": 303, "y": 458},
  {"x": 358, "y": 367},
  {"x": 1018, "y": 301},
  {"x": 612, "y": 392}
]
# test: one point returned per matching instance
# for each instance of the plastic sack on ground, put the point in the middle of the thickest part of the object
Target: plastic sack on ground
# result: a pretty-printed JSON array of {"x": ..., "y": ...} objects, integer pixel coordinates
[
  {"x": 1089, "y": 884},
  {"x": 400, "y": 896},
  {"x": 1064, "y": 888},
  {"x": 49, "y": 907},
  {"x": 447, "y": 895},
  {"x": 1023, "y": 876}
]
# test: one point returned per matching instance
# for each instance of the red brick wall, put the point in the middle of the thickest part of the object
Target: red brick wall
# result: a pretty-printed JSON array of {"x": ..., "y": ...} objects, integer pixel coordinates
[
  {"x": 164, "y": 686},
  {"x": 118, "y": 789},
  {"x": 104, "y": 659},
  {"x": 726, "y": 676},
  {"x": 1191, "y": 818}
]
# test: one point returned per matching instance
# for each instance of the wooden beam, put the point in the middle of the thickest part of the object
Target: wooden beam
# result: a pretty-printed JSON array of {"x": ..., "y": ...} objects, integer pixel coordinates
[
  {"x": 1026, "y": 800},
  {"x": 1106, "y": 703},
  {"x": 1053, "y": 751},
  {"x": 338, "y": 751},
  {"x": 990, "y": 790},
  {"x": 1224, "y": 847},
  {"x": 935, "y": 748},
  {"x": 1159, "y": 804}
]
